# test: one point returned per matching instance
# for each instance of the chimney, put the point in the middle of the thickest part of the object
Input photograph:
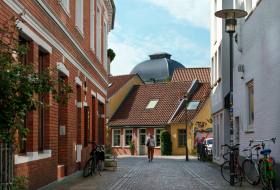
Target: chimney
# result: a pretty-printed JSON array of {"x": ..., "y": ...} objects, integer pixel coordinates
[{"x": 160, "y": 55}]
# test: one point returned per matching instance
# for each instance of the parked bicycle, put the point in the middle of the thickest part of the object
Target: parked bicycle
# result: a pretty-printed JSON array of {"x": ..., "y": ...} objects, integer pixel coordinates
[
  {"x": 94, "y": 163},
  {"x": 250, "y": 165},
  {"x": 265, "y": 171},
  {"x": 236, "y": 168}
]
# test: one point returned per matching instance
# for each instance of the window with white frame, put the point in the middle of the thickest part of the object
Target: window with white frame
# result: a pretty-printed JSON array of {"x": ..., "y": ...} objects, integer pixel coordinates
[
  {"x": 92, "y": 24},
  {"x": 116, "y": 137},
  {"x": 98, "y": 30},
  {"x": 127, "y": 137},
  {"x": 105, "y": 45},
  {"x": 250, "y": 88},
  {"x": 157, "y": 136},
  {"x": 80, "y": 15}
]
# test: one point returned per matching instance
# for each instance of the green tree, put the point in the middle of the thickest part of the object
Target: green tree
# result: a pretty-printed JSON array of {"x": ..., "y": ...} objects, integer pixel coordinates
[
  {"x": 165, "y": 143},
  {"x": 20, "y": 84}
]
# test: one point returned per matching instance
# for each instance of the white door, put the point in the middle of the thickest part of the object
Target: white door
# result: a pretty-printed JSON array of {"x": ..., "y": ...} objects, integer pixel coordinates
[{"x": 142, "y": 141}]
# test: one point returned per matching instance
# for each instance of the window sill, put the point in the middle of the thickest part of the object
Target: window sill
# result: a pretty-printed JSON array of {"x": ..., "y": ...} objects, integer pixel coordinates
[
  {"x": 32, "y": 156},
  {"x": 116, "y": 146},
  {"x": 249, "y": 131}
]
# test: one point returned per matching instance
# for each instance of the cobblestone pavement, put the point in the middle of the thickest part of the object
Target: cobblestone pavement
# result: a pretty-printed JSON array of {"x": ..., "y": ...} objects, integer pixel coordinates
[{"x": 166, "y": 173}]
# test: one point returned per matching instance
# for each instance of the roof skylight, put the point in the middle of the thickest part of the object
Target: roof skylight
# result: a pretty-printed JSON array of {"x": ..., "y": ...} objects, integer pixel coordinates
[
  {"x": 152, "y": 104},
  {"x": 193, "y": 105}
]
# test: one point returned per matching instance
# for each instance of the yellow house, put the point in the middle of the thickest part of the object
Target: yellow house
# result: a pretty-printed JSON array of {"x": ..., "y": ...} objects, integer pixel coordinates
[
  {"x": 119, "y": 87},
  {"x": 200, "y": 123}
]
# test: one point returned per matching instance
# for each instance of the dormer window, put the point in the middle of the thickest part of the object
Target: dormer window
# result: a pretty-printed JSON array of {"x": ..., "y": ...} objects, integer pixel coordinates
[
  {"x": 152, "y": 104},
  {"x": 193, "y": 105}
]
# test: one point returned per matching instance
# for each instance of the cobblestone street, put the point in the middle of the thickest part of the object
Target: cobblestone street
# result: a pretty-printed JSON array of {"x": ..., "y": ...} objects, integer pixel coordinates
[{"x": 164, "y": 173}]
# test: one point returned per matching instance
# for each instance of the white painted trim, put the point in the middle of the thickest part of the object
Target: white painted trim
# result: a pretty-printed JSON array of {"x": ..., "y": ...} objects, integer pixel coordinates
[
  {"x": 78, "y": 81},
  {"x": 101, "y": 98},
  {"x": 79, "y": 105},
  {"x": 26, "y": 30},
  {"x": 32, "y": 156},
  {"x": 79, "y": 148},
  {"x": 66, "y": 9},
  {"x": 61, "y": 67},
  {"x": 93, "y": 93},
  {"x": 118, "y": 146},
  {"x": 85, "y": 104},
  {"x": 64, "y": 29},
  {"x": 34, "y": 23}
]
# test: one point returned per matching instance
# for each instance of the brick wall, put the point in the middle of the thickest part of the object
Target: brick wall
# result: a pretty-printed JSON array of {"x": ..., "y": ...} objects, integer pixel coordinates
[{"x": 63, "y": 151}]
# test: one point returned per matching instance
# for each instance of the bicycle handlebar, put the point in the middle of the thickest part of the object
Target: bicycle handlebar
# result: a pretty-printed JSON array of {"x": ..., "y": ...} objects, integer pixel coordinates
[{"x": 262, "y": 140}]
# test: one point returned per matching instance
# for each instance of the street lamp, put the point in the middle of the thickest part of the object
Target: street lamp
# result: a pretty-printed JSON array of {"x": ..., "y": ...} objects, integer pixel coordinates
[
  {"x": 186, "y": 98},
  {"x": 230, "y": 16}
]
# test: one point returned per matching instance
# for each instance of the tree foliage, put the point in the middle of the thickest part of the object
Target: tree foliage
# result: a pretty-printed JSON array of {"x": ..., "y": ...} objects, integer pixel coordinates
[
  {"x": 165, "y": 143},
  {"x": 111, "y": 54},
  {"x": 20, "y": 84}
]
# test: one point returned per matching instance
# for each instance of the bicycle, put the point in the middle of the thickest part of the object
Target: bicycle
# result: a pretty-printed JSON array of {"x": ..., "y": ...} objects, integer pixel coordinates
[
  {"x": 97, "y": 156},
  {"x": 266, "y": 170},
  {"x": 250, "y": 166},
  {"x": 236, "y": 168}
]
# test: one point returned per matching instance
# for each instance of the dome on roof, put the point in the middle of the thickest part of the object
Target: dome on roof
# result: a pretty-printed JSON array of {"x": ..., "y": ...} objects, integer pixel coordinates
[{"x": 158, "y": 68}]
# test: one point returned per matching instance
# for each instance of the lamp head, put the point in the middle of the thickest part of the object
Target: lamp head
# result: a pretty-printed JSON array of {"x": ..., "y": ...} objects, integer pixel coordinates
[{"x": 230, "y": 15}]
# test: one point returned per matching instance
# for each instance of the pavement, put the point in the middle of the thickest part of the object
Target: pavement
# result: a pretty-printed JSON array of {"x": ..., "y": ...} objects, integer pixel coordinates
[{"x": 164, "y": 173}]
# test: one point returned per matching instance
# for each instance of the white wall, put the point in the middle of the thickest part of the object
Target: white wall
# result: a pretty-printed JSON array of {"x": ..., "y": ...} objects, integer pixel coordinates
[{"x": 259, "y": 39}]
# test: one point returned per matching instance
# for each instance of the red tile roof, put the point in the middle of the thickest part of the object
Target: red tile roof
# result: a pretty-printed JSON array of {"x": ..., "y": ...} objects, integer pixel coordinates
[
  {"x": 190, "y": 74},
  {"x": 116, "y": 82},
  {"x": 201, "y": 95},
  {"x": 133, "y": 112}
]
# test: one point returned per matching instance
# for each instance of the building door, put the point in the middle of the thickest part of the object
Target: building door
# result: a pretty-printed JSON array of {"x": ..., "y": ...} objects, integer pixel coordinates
[{"x": 142, "y": 141}]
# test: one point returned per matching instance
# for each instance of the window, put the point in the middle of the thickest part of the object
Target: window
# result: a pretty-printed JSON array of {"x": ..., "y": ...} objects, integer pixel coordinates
[
  {"x": 105, "y": 45},
  {"x": 181, "y": 137},
  {"x": 65, "y": 5},
  {"x": 250, "y": 87},
  {"x": 86, "y": 125},
  {"x": 193, "y": 105},
  {"x": 157, "y": 136},
  {"x": 92, "y": 24},
  {"x": 152, "y": 104},
  {"x": 98, "y": 30},
  {"x": 41, "y": 110},
  {"x": 128, "y": 137},
  {"x": 116, "y": 137},
  {"x": 80, "y": 16}
]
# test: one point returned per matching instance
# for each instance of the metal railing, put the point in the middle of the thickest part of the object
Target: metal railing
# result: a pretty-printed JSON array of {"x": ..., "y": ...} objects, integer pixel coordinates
[{"x": 6, "y": 166}]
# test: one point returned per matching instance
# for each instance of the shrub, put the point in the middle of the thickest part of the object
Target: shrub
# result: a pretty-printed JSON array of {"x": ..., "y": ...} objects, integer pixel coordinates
[
  {"x": 165, "y": 143},
  {"x": 132, "y": 147},
  {"x": 20, "y": 183}
]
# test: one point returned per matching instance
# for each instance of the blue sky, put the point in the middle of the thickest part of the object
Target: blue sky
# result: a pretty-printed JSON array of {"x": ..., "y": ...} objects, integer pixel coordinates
[{"x": 143, "y": 27}]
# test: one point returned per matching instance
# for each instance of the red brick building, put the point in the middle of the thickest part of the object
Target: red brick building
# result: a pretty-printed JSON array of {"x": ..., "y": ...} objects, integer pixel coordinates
[{"x": 70, "y": 36}]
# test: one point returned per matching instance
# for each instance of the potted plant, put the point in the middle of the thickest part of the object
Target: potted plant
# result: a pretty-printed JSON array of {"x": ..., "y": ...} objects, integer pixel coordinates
[{"x": 131, "y": 147}]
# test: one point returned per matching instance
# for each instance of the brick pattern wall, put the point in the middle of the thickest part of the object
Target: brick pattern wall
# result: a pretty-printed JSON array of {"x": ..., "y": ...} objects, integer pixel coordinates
[{"x": 65, "y": 154}]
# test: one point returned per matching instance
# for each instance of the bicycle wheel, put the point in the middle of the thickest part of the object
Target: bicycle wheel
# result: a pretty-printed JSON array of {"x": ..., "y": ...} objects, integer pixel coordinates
[
  {"x": 89, "y": 167},
  {"x": 225, "y": 171},
  {"x": 251, "y": 173}
]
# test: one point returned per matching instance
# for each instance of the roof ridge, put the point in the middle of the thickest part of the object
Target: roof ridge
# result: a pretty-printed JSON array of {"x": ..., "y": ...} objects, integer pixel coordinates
[{"x": 193, "y": 68}]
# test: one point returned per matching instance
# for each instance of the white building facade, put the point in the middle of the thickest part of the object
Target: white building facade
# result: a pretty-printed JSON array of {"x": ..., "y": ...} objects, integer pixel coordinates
[
  {"x": 256, "y": 88},
  {"x": 256, "y": 82}
]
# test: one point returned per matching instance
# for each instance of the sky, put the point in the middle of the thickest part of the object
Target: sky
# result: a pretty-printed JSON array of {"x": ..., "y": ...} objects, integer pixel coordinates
[{"x": 144, "y": 27}]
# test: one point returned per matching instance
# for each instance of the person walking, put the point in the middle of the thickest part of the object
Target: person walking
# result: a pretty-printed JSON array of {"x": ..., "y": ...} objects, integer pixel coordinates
[{"x": 151, "y": 145}]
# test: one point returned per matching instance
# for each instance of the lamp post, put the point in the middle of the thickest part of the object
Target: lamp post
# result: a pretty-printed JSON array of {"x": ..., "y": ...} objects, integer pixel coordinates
[
  {"x": 186, "y": 123},
  {"x": 230, "y": 16}
]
